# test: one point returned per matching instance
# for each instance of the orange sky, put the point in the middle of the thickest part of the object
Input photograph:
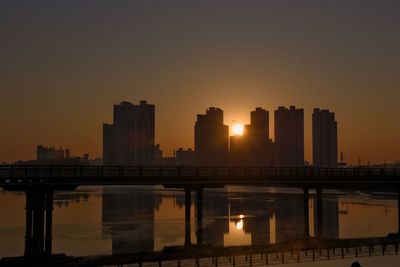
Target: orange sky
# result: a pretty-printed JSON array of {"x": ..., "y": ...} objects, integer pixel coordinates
[{"x": 65, "y": 64}]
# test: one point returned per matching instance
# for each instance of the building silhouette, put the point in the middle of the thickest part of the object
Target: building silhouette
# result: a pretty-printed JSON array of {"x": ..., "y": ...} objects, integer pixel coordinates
[
  {"x": 130, "y": 139},
  {"x": 49, "y": 154},
  {"x": 258, "y": 134},
  {"x": 185, "y": 157},
  {"x": 239, "y": 151},
  {"x": 211, "y": 138},
  {"x": 52, "y": 155},
  {"x": 324, "y": 132},
  {"x": 254, "y": 147},
  {"x": 289, "y": 137}
]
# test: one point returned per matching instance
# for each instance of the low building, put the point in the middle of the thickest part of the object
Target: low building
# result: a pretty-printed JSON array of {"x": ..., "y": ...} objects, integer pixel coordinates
[{"x": 185, "y": 157}]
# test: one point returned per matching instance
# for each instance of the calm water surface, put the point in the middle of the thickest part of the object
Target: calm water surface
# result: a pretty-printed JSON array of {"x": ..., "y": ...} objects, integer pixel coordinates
[{"x": 113, "y": 220}]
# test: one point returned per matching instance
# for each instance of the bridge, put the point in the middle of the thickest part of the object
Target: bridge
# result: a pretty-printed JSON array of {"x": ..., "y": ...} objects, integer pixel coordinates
[
  {"x": 22, "y": 176},
  {"x": 39, "y": 183}
]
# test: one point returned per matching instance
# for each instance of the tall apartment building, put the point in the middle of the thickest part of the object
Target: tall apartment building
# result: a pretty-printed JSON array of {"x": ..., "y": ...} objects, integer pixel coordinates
[
  {"x": 324, "y": 131},
  {"x": 211, "y": 138},
  {"x": 130, "y": 139},
  {"x": 289, "y": 137},
  {"x": 258, "y": 137},
  {"x": 254, "y": 147}
]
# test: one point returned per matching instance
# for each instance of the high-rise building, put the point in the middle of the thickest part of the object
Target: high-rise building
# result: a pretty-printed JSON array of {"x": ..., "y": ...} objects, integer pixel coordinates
[
  {"x": 289, "y": 137},
  {"x": 130, "y": 139},
  {"x": 239, "y": 151},
  {"x": 259, "y": 125},
  {"x": 253, "y": 148},
  {"x": 325, "y": 152},
  {"x": 260, "y": 146},
  {"x": 211, "y": 138}
]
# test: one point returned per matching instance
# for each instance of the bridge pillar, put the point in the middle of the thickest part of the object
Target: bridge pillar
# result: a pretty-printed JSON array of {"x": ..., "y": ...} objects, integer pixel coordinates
[
  {"x": 38, "y": 225},
  {"x": 199, "y": 202},
  {"x": 28, "y": 223},
  {"x": 306, "y": 213},
  {"x": 49, "y": 222},
  {"x": 319, "y": 213},
  {"x": 187, "y": 216}
]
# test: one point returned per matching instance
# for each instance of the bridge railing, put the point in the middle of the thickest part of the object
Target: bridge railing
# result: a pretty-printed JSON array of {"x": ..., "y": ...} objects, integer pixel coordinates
[{"x": 65, "y": 171}]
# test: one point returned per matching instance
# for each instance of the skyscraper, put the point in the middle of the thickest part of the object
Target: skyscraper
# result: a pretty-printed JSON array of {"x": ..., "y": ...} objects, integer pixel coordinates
[
  {"x": 259, "y": 124},
  {"x": 253, "y": 148},
  {"x": 289, "y": 137},
  {"x": 211, "y": 138},
  {"x": 325, "y": 152},
  {"x": 258, "y": 136},
  {"x": 239, "y": 150},
  {"x": 130, "y": 139}
]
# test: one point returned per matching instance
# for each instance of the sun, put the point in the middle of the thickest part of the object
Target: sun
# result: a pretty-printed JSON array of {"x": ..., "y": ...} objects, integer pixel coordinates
[{"x": 237, "y": 129}]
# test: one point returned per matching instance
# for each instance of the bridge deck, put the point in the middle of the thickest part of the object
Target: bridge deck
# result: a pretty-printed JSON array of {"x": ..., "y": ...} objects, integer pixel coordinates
[{"x": 21, "y": 175}]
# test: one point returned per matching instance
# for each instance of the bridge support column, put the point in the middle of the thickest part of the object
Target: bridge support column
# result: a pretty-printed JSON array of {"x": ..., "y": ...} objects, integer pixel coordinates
[
  {"x": 199, "y": 202},
  {"x": 319, "y": 213},
  {"x": 49, "y": 223},
  {"x": 28, "y": 223},
  {"x": 306, "y": 214},
  {"x": 188, "y": 203},
  {"x": 38, "y": 225}
]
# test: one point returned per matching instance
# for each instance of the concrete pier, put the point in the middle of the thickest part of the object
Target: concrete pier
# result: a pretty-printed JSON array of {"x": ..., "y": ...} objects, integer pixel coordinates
[{"x": 38, "y": 231}]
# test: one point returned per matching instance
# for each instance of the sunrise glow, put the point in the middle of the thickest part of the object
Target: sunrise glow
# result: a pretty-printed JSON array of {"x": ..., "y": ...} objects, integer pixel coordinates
[{"x": 237, "y": 129}]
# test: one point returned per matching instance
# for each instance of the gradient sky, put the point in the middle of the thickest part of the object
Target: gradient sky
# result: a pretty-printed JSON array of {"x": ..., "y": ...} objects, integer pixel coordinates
[{"x": 63, "y": 64}]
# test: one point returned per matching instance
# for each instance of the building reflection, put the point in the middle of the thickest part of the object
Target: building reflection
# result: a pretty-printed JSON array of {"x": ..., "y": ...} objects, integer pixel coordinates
[
  {"x": 129, "y": 214},
  {"x": 289, "y": 217},
  {"x": 229, "y": 219},
  {"x": 256, "y": 212},
  {"x": 330, "y": 219},
  {"x": 216, "y": 207}
]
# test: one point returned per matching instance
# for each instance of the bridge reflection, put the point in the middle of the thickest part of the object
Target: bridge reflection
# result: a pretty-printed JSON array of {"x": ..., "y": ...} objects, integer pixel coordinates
[{"x": 251, "y": 214}]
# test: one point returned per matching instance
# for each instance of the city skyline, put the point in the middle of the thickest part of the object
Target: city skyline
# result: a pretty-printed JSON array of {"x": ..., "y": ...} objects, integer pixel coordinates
[
  {"x": 63, "y": 66},
  {"x": 233, "y": 138},
  {"x": 129, "y": 140},
  {"x": 308, "y": 144}
]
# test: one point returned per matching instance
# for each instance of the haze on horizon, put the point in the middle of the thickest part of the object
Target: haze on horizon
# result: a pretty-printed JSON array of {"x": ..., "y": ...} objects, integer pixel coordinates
[{"x": 64, "y": 64}]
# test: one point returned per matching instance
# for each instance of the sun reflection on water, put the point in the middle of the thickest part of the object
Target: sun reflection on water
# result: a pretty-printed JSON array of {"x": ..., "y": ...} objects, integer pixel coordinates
[{"x": 239, "y": 225}]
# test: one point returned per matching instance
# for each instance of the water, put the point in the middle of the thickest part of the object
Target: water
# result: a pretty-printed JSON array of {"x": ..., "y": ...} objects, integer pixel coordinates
[{"x": 114, "y": 220}]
